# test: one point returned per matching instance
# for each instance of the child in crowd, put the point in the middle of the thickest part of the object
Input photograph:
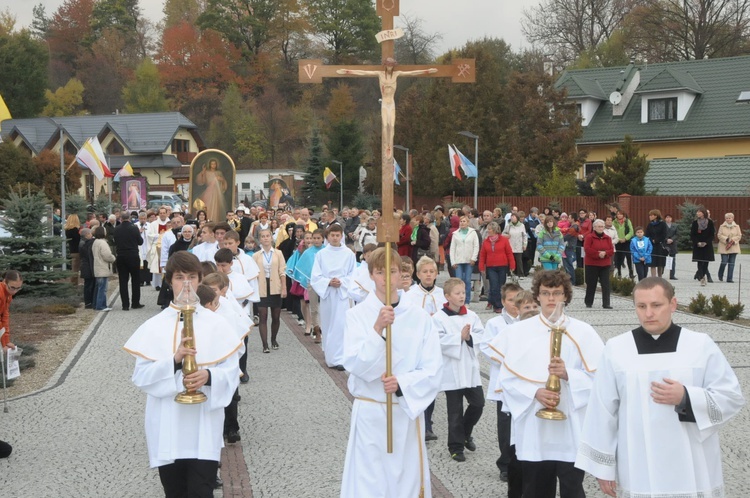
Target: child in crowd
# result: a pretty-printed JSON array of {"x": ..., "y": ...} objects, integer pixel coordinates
[
  {"x": 302, "y": 273},
  {"x": 428, "y": 296},
  {"x": 361, "y": 283},
  {"x": 238, "y": 286},
  {"x": 505, "y": 463},
  {"x": 407, "y": 270},
  {"x": 641, "y": 248},
  {"x": 250, "y": 246},
  {"x": 526, "y": 305},
  {"x": 460, "y": 329}
]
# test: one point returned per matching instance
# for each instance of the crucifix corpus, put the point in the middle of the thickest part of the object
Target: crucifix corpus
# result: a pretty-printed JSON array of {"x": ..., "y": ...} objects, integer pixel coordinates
[{"x": 460, "y": 71}]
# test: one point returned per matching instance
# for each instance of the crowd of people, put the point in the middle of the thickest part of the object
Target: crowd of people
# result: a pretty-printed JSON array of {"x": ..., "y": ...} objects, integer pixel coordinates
[{"x": 330, "y": 272}]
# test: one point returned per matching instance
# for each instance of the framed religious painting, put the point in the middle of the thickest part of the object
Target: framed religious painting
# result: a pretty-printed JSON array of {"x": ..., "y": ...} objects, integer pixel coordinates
[
  {"x": 279, "y": 194},
  {"x": 212, "y": 184},
  {"x": 134, "y": 193}
]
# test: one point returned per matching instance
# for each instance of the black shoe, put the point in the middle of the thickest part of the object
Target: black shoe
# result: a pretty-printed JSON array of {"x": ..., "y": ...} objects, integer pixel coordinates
[
  {"x": 88, "y": 306},
  {"x": 430, "y": 436},
  {"x": 125, "y": 308},
  {"x": 710, "y": 280},
  {"x": 245, "y": 378},
  {"x": 470, "y": 444},
  {"x": 607, "y": 307},
  {"x": 233, "y": 437},
  {"x": 266, "y": 350},
  {"x": 589, "y": 305},
  {"x": 673, "y": 278},
  {"x": 340, "y": 368},
  {"x": 138, "y": 306},
  {"x": 503, "y": 476},
  {"x": 218, "y": 484},
  {"x": 274, "y": 345},
  {"x": 459, "y": 457},
  {"x": 728, "y": 281},
  {"x": 721, "y": 278},
  {"x": 157, "y": 288}
]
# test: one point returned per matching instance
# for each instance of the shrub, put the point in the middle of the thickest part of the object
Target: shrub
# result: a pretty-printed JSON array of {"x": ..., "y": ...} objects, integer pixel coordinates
[
  {"x": 580, "y": 277},
  {"x": 615, "y": 284},
  {"x": 733, "y": 311},
  {"x": 719, "y": 304},
  {"x": 626, "y": 286},
  {"x": 698, "y": 304},
  {"x": 55, "y": 309}
]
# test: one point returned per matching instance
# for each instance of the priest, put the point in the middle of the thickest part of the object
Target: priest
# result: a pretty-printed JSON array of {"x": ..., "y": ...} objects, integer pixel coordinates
[
  {"x": 660, "y": 395},
  {"x": 546, "y": 449},
  {"x": 369, "y": 470}
]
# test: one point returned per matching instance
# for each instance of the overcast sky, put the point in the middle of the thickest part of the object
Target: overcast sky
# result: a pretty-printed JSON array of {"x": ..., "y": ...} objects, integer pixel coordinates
[{"x": 456, "y": 21}]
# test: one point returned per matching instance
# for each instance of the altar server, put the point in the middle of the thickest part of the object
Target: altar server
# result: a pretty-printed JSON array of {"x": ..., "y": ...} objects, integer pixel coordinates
[
  {"x": 369, "y": 471},
  {"x": 333, "y": 264},
  {"x": 426, "y": 294},
  {"x": 361, "y": 284},
  {"x": 185, "y": 441}
]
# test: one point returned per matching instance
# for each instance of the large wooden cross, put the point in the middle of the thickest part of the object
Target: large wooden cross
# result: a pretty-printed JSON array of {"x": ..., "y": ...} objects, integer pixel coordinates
[{"x": 460, "y": 71}]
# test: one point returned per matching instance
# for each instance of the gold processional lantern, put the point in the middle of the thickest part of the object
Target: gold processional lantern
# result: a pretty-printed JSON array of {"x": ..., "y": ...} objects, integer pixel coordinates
[
  {"x": 186, "y": 301},
  {"x": 557, "y": 320}
]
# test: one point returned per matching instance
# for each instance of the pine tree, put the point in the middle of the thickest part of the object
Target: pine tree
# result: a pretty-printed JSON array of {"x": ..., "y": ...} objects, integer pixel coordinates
[
  {"x": 344, "y": 143},
  {"x": 687, "y": 214},
  {"x": 31, "y": 249},
  {"x": 314, "y": 185},
  {"x": 623, "y": 173}
]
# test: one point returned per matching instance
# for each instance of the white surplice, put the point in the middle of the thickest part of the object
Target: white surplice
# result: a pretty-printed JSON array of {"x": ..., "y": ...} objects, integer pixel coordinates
[
  {"x": 492, "y": 328},
  {"x": 173, "y": 430},
  {"x": 245, "y": 265},
  {"x": 333, "y": 262},
  {"x": 460, "y": 360},
  {"x": 205, "y": 251},
  {"x": 239, "y": 288},
  {"x": 369, "y": 471},
  {"x": 526, "y": 349},
  {"x": 642, "y": 445},
  {"x": 430, "y": 301},
  {"x": 236, "y": 316},
  {"x": 360, "y": 283}
]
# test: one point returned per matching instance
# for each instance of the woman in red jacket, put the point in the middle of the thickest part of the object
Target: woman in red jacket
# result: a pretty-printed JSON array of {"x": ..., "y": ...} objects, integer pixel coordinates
[
  {"x": 404, "y": 236},
  {"x": 495, "y": 260},
  {"x": 598, "y": 251}
]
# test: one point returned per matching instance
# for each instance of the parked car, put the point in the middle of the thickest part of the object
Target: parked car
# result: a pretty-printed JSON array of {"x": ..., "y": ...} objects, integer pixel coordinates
[{"x": 155, "y": 204}]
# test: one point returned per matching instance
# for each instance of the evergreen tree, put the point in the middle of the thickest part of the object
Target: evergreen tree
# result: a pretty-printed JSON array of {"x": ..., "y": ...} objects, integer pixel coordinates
[
  {"x": 31, "y": 249},
  {"x": 623, "y": 173},
  {"x": 687, "y": 215},
  {"x": 314, "y": 186},
  {"x": 75, "y": 204},
  {"x": 344, "y": 143},
  {"x": 15, "y": 167}
]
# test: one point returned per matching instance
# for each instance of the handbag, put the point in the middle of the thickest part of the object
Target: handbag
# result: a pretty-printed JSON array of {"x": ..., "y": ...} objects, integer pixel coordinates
[{"x": 296, "y": 289}]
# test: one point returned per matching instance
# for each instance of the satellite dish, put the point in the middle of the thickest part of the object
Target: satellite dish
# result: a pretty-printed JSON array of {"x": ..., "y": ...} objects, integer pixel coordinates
[{"x": 615, "y": 98}]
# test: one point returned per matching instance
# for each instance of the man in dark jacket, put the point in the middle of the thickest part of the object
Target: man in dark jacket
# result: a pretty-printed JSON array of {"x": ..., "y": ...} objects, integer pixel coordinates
[
  {"x": 127, "y": 239},
  {"x": 87, "y": 267}
]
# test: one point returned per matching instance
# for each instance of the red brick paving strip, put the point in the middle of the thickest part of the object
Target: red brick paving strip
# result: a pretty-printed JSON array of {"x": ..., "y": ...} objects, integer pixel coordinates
[
  {"x": 340, "y": 378},
  {"x": 234, "y": 472}
]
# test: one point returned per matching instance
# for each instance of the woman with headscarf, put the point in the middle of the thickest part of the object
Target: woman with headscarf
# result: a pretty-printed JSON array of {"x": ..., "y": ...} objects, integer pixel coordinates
[
  {"x": 702, "y": 233},
  {"x": 287, "y": 247},
  {"x": 454, "y": 222},
  {"x": 184, "y": 240}
]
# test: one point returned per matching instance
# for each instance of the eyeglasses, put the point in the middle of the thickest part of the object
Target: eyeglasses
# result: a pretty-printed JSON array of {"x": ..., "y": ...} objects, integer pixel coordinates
[
  {"x": 15, "y": 289},
  {"x": 552, "y": 294}
]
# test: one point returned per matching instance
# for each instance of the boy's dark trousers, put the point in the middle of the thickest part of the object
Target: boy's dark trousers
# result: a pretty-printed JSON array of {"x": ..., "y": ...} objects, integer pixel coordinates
[
  {"x": 461, "y": 423},
  {"x": 641, "y": 269},
  {"x": 189, "y": 477},
  {"x": 231, "y": 423}
]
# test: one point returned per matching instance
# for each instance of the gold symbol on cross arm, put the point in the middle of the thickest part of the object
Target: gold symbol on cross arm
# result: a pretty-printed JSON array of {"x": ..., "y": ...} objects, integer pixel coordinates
[
  {"x": 463, "y": 70},
  {"x": 310, "y": 70},
  {"x": 388, "y": 5}
]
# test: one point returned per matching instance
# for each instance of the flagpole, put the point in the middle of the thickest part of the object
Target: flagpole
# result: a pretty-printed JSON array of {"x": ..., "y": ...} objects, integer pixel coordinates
[
  {"x": 63, "y": 217},
  {"x": 474, "y": 137},
  {"x": 341, "y": 182},
  {"x": 408, "y": 197}
]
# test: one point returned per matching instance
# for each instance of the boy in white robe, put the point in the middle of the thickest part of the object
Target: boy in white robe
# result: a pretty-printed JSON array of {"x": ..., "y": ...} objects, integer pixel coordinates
[
  {"x": 660, "y": 395},
  {"x": 545, "y": 448},
  {"x": 205, "y": 250},
  {"x": 495, "y": 326},
  {"x": 360, "y": 282},
  {"x": 369, "y": 471},
  {"x": 333, "y": 264},
  {"x": 185, "y": 440},
  {"x": 238, "y": 286},
  {"x": 428, "y": 296},
  {"x": 460, "y": 331}
]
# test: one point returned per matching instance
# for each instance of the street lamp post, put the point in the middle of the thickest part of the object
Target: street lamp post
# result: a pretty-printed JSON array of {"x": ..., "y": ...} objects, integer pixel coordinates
[
  {"x": 474, "y": 137},
  {"x": 341, "y": 182},
  {"x": 62, "y": 200},
  {"x": 408, "y": 200}
]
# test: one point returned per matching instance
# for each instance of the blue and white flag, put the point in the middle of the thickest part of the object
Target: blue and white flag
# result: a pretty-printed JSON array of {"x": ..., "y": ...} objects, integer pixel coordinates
[
  {"x": 396, "y": 171},
  {"x": 469, "y": 169}
]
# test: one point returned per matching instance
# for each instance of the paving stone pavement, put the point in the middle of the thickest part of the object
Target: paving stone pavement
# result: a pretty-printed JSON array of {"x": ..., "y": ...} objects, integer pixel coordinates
[{"x": 82, "y": 436}]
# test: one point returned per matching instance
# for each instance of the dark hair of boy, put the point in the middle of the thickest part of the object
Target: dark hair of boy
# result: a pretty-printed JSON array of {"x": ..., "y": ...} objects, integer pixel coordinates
[
  {"x": 182, "y": 262},
  {"x": 205, "y": 294},
  {"x": 232, "y": 235},
  {"x": 335, "y": 228},
  {"x": 223, "y": 256},
  {"x": 208, "y": 267}
]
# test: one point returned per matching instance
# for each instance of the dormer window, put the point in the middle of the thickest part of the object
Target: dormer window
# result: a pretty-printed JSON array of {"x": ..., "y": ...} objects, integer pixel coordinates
[{"x": 662, "y": 109}]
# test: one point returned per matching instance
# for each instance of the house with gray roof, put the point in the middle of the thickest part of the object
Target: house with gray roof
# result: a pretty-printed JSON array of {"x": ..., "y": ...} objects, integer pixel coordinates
[
  {"x": 687, "y": 117},
  {"x": 155, "y": 144}
]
